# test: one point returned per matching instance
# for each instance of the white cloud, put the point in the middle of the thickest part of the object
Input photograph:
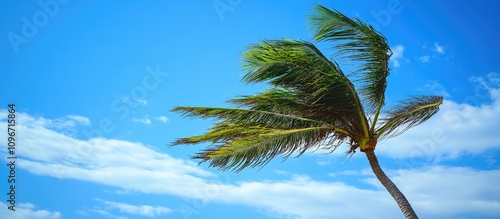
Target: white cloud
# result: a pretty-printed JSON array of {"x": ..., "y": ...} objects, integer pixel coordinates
[
  {"x": 438, "y": 48},
  {"x": 352, "y": 172},
  {"x": 397, "y": 55},
  {"x": 459, "y": 128},
  {"x": 28, "y": 211},
  {"x": 303, "y": 197},
  {"x": 324, "y": 162},
  {"x": 441, "y": 191},
  {"x": 281, "y": 172},
  {"x": 491, "y": 82},
  {"x": 435, "y": 192},
  {"x": 397, "y": 52},
  {"x": 100, "y": 212},
  {"x": 435, "y": 88},
  {"x": 81, "y": 119},
  {"x": 145, "y": 120},
  {"x": 142, "y": 210},
  {"x": 127, "y": 99},
  {"x": 142, "y": 102},
  {"x": 163, "y": 119},
  {"x": 66, "y": 122},
  {"x": 104, "y": 161},
  {"x": 120, "y": 164},
  {"x": 425, "y": 59}
]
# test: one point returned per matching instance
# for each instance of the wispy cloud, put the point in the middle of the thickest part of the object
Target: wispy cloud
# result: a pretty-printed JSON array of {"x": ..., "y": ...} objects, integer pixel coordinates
[
  {"x": 142, "y": 210},
  {"x": 66, "y": 122},
  {"x": 281, "y": 172},
  {"x": 491, "y": 82},
  {"x": 397, "y": 56},
  {"x": 142, "y": 102},
  {"x": 434, "y": 88},
  {"x": 133, "y": 101},
  {"x": 438, "y": 48},
  {"x": 324, "y": 162},
  {"x": 28, "y": 211},
  {"x": 425, "y": 59},
  {"x": 80, "y": 119},
  {"x": 145, "y": 120},
  {"x": 435, "y": 52},
  {"x": 163, "y": 119},
  {"x": 99, "y": 212}
]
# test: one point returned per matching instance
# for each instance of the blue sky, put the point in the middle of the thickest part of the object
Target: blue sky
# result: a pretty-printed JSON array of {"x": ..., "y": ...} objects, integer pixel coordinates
[{"x": 93, "y": 83}]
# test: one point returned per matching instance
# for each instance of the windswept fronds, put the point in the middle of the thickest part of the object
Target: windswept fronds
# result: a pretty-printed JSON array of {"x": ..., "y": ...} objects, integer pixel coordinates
[
  {"x": 223, "y": 132},
  {"x": 358, "y": 42},
  {"x": 408, "y": 113},
  {"x": 299, "y": 67},
  {"x": 246, "y": 137},
  {"x": 275, "y": 100},
  {"x": 259, "y": 148},
  {"x": 247, "y": 117}
]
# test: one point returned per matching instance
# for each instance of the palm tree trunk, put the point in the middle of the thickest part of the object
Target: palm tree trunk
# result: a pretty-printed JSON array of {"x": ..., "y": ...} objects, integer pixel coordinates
[{"x": 403, "y": 203}]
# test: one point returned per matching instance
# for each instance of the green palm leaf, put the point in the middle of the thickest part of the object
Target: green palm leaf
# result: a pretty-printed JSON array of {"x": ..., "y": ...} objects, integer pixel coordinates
[
  {"x": 299, "y": 67},
  {"x": 359, "y": 42},
  {"x": 408, "y": 113},
  {"x": 258, "y": 148},
  {"x": 248, "y": 117},
  {"x": 223, "y": 132},
  {"x": 247, "y": 137},
  {"x": 275, "y": 100}
]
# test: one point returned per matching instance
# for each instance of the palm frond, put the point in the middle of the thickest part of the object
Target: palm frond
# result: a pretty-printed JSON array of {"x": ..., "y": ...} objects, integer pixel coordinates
[
  {"x": 275, "y": 100},
  {"x": 260, "y": 148},
  {"x": 358, "y": 42},
  {"x": 407, "y": 114},
  {"x": 299, "y": 67},
  {"x": 248, "y": 117},
  {"x": 223, "y": 132}
]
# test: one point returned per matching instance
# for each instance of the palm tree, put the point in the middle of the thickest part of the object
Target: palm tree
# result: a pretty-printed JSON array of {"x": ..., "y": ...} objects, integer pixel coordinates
[{"x": 311, "y": 102}]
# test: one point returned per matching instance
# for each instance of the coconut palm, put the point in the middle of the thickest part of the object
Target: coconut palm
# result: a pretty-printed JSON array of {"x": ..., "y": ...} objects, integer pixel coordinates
[{"x": 311, "y": 102}]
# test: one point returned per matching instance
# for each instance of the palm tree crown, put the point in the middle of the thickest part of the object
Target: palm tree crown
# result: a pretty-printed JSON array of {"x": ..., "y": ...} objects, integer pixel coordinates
[{"x": 311, "y": 103}]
